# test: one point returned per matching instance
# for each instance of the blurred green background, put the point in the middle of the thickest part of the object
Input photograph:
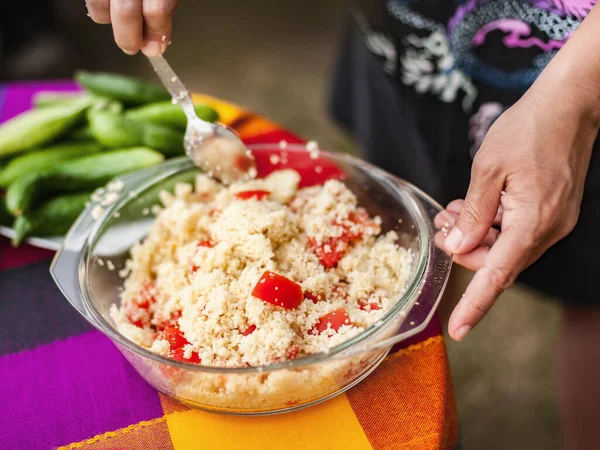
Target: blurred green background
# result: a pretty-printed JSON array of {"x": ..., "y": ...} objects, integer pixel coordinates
[{"x": 275, "y": 57}]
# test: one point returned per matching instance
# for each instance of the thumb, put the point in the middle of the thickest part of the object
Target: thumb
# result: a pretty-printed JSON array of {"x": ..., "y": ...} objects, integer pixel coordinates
[{"x": 478, "y": 211}]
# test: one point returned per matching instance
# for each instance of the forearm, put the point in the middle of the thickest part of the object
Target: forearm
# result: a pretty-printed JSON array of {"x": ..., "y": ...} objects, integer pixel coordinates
[{"x": 575, "y": 70}]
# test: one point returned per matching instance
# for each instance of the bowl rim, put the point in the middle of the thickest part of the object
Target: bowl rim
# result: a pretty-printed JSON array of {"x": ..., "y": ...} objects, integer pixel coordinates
[{"x": 179, "y": 164}]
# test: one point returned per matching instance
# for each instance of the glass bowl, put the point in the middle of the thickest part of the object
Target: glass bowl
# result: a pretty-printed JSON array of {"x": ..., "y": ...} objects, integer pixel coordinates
[{"x": 86, "y": 269}]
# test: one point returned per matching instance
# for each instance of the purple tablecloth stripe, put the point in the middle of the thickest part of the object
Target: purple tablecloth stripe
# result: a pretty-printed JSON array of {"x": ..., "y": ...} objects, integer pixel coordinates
[
  {"x": 18, "y": 96},
  {"x": 2, "y": 95},
  {"x": 80, "y": 387}
]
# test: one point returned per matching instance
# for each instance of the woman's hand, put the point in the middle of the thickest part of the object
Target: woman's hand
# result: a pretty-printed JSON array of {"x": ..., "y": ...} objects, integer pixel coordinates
[
  {"x": 137, "y": 24},
  {"x": 527, "y": 179}
]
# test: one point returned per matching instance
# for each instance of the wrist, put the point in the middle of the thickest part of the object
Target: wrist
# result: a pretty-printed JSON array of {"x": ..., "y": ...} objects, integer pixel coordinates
[
  {"x": 565, "y": 91},
  {"x": 574, "y": 73}
]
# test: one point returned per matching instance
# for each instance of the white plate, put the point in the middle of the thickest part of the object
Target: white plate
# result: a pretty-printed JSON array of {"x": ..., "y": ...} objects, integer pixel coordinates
[
  {"x": 117, "y": 240},
  {"x": 47, "y": 242}
]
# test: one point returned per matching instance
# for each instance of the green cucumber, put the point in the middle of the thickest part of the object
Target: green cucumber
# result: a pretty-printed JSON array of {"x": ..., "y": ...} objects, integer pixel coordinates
[
  {"x": 36, "y": 127},
  {"x": 115, "y": 130},
  {"x": 128, "y": 90},
  {"x": 44, "y": 159},
  {"x": 168, "y": 114},
  {"x": 52, "y": 218},
  {"x": 82, "y": 134},
  {"x": 85, "y": 173},
  {"x": 45, "y": 99}
]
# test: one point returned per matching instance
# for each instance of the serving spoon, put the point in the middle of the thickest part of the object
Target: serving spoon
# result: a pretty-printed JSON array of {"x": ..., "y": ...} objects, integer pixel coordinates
[{"x": 213, "y": 147}]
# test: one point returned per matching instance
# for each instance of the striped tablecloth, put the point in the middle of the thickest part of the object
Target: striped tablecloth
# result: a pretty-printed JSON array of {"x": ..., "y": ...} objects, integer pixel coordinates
[{"x": 63, "y": 384}]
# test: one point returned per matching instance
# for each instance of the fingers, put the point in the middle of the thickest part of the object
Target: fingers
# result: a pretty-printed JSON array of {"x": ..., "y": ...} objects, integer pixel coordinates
[
  {"x": 445, "y": 220},
  {"x": 475, "y": 259},
  {"x": 455, "y": 206},
  {"x": 478, "y": 210},
  {"x": 506, "y": 259},
  {"x": 126, "y": 17},
  {"x": 157, "y": 25},
  {"x": 98, "y": 10},
  {"x": 137, "y": 24}
]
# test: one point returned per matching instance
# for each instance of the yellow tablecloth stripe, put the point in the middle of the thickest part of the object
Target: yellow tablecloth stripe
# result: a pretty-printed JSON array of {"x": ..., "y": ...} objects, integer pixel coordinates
[{"x": 331, "y": 425}]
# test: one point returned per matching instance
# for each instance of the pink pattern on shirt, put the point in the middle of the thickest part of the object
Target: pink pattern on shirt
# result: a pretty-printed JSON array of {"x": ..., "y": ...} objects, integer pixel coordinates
[
  {"x": 577, "y": 8},
  {"x": 519, "y": 35}
]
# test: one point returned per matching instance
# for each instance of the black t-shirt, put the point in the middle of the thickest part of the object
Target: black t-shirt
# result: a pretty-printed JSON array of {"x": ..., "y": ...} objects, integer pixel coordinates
[{"x": 483, "y": 54}]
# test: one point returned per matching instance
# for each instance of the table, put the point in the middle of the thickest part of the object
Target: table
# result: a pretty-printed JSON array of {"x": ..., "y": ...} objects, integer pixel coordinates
[{"x": 65, "y": 384}]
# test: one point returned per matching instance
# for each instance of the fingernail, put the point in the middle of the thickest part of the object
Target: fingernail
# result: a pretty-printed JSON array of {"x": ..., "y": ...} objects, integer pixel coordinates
[
  {"x": 453, "y": 240},
  {"x": 129, "y": 52},
  {"x": 152, "y": 49},
  {"x": 461, "y": 332}
]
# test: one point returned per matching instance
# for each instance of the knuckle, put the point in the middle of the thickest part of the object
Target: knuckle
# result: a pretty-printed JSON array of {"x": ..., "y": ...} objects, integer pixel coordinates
[
  {"x": 127, "y": 10},
  {"x": 469, "y": 215},
  {"x": 569, "y": 223},
  {"x": 501, "y": 278},
  {"x": 530, "y": 224},
  {"x": 478, "y": 308},
  {"x": 154, "y": 12},
  {"x": 157, "y": 9},
  {"x": 97, "y": 4}
]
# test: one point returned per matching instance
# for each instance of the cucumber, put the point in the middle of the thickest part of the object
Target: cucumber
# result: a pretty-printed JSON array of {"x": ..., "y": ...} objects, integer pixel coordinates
[
  {"x": 44, "y": 159},
  {"x": 85, "y": 173},
  {"x": 45, "y": 99},
  {"x": 37, "y": 127},
  {"x": 130, "y": 91},
  {"x": 168, "y": 114},
  {"x": 164, "y": 139},
  {"x": 82, "y": 134},
  {"x": 115, "y": 130},
  {"x": 52, "y": 218}
]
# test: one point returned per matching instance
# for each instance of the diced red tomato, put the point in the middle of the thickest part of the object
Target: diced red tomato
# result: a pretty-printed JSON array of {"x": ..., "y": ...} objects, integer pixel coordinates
[
  {"x": 368, "y": 306},
  {"x": 357, "y": 224},
  {"x": 141, "y": 302},
  {"x": 177, "y": 355},
  {"x": 334, "y": 320},
  {"x": 330, "y": 251},
  {"x": 139, "y": 321},
  {"x": 247, "y": 195},
  {"x": 139, "y": 314},
  {"x": 341, "y": 291},
  {"x": 194, "y": 268},
  {"x": 364, "y": 223},
  {"x": 278, "y": 290},
  {"x": 333, "y": 249},
  {"x": 312, "y": 297},
  {"x": 293, "y": 352},
  {"x": 146, "y": 296},
  {"x": 248, "y": 331},
  {"x": 175, "y": 337}
]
